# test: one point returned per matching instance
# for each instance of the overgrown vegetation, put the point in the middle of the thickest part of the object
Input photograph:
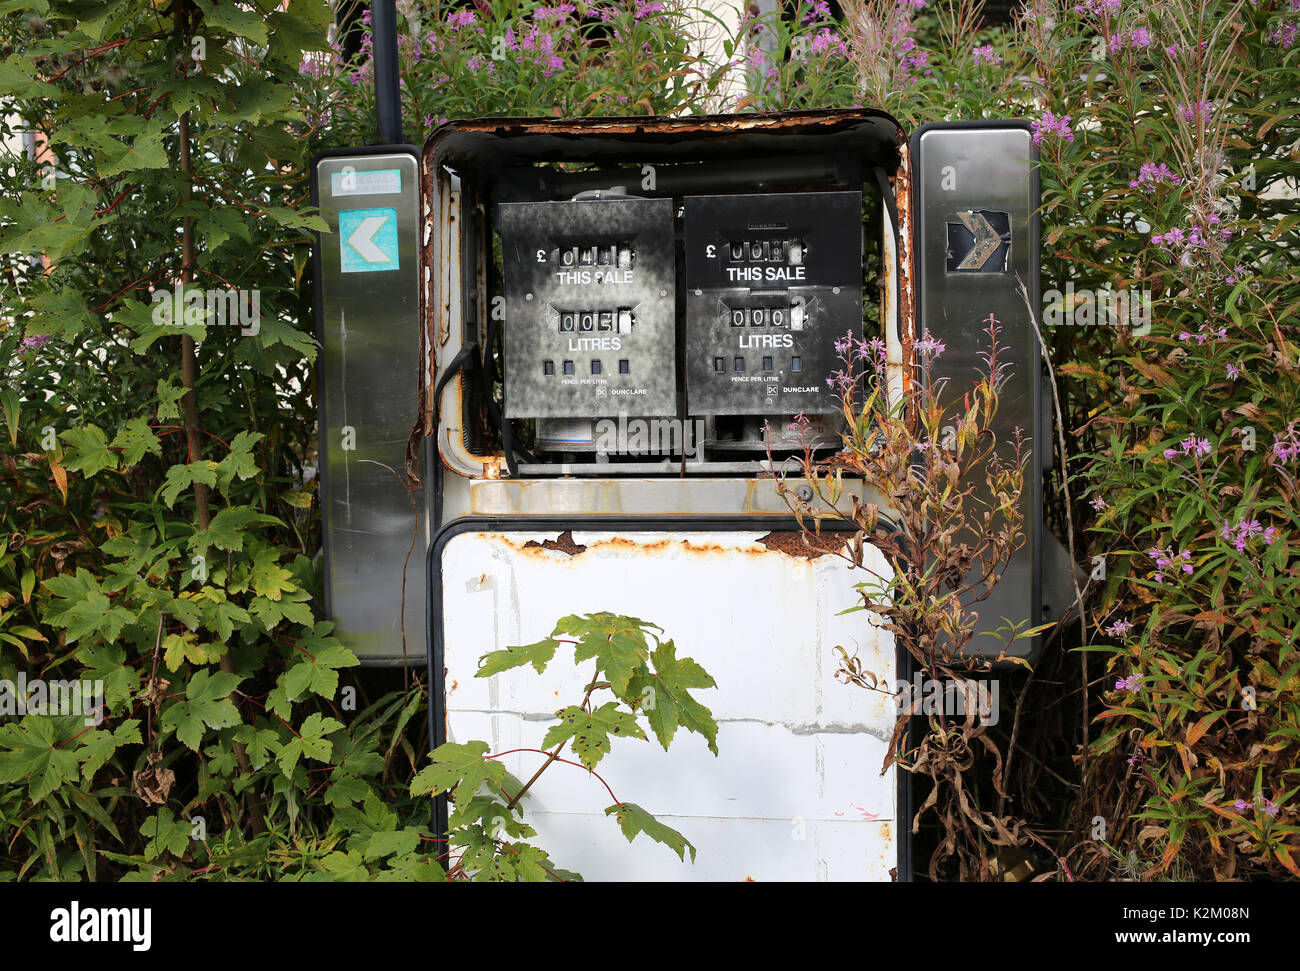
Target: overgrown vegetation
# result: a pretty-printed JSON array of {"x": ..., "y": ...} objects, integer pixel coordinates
[{"x": 157, "y": 490}]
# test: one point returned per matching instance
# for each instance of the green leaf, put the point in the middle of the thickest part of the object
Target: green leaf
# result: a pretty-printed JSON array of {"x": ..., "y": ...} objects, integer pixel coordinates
[
  {"x": 309, "y": 743},
  {"x": 617, "y": 643},
  {"x": 30, "y": 754},
  {"x": 240, "y": 462},
  {"x": 89, "y": 450},
  {"x": 317, "y": 673},
  {"x": 666, "y": 700},
  {"x": 269, "y": 579},
  {"x": 386, "y": 844},
  {"x": 9, "y": 401},
  {"x": 632, "y": 819},
  {"x": 165, "y": 834},
  {"x": 538, "y": 655},
  {"x": 169, "y": 396},
  {"x": 260, "y": 744},
  {"x": 106, "y": 663},
  {"x": 146, "y": 151},
  {"x": 346, "y": 866},
  {"x": 230, "y": 18},
  {"x": 206, "y": 704},
  {"x": 460, "y": 770},
  {"x": 225, "y": 531},
  {"x": 135, "y": 439},
  {"x": 97, "y": 746},
  {"x": 591, "y": 731},
  {"x": 184, "y": 476}
]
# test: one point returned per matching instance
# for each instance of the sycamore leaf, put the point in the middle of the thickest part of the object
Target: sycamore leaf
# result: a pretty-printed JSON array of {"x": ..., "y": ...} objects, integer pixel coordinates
[
  {"x": 89, "y": 452},
  {"x": 169, "y": 396},
  {"x": 206, "y": 704},
  {"x": 185, "y": 646},
  {"x": 385, "y": 844},
  {"x": 240, "y": 462},
  {"x": 318, "y": 672},
  {"x": 538, "y": 655},
  {"x": 106, "y": 663},
  {"x": 632, "y": 819},
  {"x": 97, "y": 746},
  {"x": 346, "y": 866},
  {"x": 30, "y": 754},
  {"x": 146, "y": 151},
  {"x": 617, "y": 643},
  {"x": 183, "y": 476},
  {"x": 165, "y": 833},
  {"x": 460, "y": 770},
  {"x": 135, "y": 439},
  {"x": 591, "y": 731},
  {"x": 225, "y": 531},
  {"x": 269, "y": 579},
  {"x": 260, "y": 744},
  {"x": 666, "y": 700},
  {"x": 309, "y": 743}
]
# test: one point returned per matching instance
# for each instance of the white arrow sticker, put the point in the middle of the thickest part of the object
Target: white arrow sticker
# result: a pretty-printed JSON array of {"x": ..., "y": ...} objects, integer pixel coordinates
[{"x": 362, "y": 240}]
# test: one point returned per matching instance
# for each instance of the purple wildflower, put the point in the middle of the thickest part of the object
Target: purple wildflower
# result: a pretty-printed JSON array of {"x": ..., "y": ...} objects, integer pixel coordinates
[
  {"x": 1049, "y": 124},
  {"x": 1284, "y": 35},
  {"x": 33, "y": 343},
  {"x": 929, "y": 346}
]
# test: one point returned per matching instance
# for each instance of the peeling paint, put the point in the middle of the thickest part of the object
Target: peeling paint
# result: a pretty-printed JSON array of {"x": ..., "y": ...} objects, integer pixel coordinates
[
  {"x": 563, "y": 543},
  {"x": 807, "y": 545}
]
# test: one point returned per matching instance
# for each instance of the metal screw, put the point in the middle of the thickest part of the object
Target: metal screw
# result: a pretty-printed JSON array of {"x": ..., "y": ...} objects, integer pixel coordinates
[{"x": 804, "y": 493}]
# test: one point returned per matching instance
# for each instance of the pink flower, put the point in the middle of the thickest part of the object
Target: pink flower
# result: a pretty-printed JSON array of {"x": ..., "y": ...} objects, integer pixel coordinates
[
  {"x": 929, "y": 346},
  {"x": 1285, "y": 35},
  {"x": 1049, "y": 124},
  {"x": 1119, "y": 628},
  {"x": 986, "y": 55}
]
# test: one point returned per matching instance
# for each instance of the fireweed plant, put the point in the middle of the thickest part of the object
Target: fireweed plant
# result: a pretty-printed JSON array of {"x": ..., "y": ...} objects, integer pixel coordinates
[
  {"x": 951, "y": 522},
  {"x": 513, "y": 57}
]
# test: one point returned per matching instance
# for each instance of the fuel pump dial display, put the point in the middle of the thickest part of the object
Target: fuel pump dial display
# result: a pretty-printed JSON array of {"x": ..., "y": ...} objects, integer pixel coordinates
[
  {"x": 589, "y": 288},
  {"x": 772, "y": 281}
]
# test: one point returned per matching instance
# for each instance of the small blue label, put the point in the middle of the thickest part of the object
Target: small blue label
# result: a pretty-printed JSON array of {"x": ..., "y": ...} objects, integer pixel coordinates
[{"x": 368, "y": 240}]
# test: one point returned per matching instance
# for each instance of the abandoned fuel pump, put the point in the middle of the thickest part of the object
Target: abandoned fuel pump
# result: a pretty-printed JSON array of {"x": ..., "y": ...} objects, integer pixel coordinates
[{"x": 561, "y": 362}]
